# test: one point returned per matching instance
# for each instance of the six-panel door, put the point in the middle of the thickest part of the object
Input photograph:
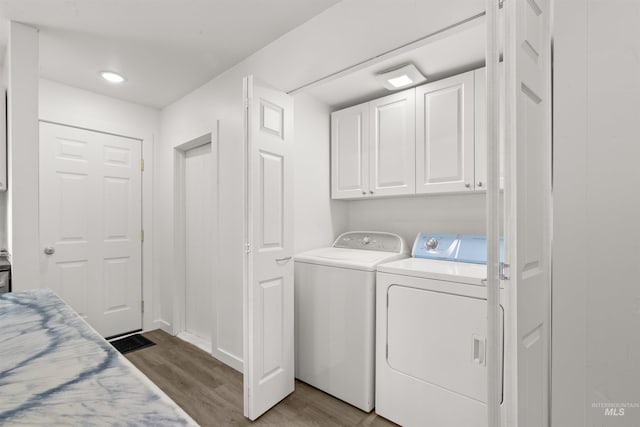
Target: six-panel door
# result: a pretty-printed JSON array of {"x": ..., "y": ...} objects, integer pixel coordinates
[{"x": 91, "y": 223}]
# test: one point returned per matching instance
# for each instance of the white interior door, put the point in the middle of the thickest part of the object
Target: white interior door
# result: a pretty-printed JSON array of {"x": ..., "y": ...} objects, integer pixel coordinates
[
  {"x": 268, "y": 298},
  {"x": 527, "y": 198},
  {"x": 199, "y": 216},
  {"x": 91, "y": 223}
]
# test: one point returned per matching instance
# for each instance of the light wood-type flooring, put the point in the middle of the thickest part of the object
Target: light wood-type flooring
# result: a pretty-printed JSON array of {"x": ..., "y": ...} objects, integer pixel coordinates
[{"x": 211, "y": 392}]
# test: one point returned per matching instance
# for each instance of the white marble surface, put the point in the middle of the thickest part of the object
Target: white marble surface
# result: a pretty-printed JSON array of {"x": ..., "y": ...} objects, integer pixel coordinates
[{"x": 56, "y": 370}]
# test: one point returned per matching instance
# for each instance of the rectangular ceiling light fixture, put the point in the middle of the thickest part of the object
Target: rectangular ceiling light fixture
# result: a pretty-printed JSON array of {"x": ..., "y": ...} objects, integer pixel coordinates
[{"x": 401, "y": 77}]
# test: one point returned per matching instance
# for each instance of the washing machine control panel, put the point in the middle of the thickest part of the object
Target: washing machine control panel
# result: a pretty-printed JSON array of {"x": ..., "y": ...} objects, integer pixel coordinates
[{"x": 374, "y": 241}]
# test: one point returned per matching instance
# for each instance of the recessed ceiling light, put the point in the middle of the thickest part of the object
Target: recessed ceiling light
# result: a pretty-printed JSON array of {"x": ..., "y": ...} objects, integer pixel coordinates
[
  {"x": 399, "y": 77},
  {"x": 112, "y": 77}
]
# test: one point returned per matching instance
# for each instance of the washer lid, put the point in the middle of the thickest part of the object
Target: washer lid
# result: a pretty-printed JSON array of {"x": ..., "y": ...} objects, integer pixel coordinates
[
  {"x": 449, "y": 271},
  {"x": 356, "y": 259}
]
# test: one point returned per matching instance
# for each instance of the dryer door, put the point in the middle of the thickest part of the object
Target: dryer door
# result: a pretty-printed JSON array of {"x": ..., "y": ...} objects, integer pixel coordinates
[{"x": 438, "y": 338}]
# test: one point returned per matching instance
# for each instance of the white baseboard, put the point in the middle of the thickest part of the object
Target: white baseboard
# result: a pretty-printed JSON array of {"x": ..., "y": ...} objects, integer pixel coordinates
[
  {"x": 161, "y": 324},
  {"x": 228, "y": 359},
  {"x": 199, "y": 342}
]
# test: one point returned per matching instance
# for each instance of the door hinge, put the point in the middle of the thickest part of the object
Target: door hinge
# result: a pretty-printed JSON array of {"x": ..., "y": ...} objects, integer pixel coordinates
[
  {"x": 247, "y": 248},
  {"x": 247, "y": 102},
  {"x": 500, "y": 4},
  {"x": 142, "y": 306},
  {"x": 141, "y": 165},
  {"x": 142, "y": 235}
]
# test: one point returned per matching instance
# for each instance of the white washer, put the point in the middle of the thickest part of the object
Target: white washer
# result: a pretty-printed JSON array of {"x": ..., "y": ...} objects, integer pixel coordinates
[
  {"x": 335, "y": 314},
  {"x": 430, "y": 343}
]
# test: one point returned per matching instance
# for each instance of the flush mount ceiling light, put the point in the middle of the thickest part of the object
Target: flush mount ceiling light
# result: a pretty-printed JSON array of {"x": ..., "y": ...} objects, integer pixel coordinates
[
  {"x": 112, "y": 77},
  {"x": 400, "y": 77}
]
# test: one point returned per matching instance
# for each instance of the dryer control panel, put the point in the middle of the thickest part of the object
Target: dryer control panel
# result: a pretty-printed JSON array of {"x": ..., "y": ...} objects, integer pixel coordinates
[
  {"x": 371, "y": 240},
  {"x": 453, "y": 247}
]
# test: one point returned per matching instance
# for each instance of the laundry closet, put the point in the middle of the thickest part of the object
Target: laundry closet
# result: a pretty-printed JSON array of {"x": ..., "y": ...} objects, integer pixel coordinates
[
  {"x": 405, "y": 285},
  {"x": 407, "y": 156}
]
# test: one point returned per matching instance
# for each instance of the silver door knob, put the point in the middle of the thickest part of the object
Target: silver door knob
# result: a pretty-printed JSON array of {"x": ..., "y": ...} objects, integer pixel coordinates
[{"x": 49, "y": 250}]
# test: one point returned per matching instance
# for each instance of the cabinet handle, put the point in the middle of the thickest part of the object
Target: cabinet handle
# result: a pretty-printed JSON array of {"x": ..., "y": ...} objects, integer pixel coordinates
[
  {"x": 479, "y": 183},
  {"x": 466, "y": 184}
]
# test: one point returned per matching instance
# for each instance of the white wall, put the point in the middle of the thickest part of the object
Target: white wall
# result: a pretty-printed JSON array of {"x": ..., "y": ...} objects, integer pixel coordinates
[
  {"x": 67, "y": 105},
  {"x": 407, "y": 216},
  {"x": 318, "y": 219},
  {"x": 342, "y": 36},
  {"x": 596, "y": 249},
  {"x": 22, "y": 197}
]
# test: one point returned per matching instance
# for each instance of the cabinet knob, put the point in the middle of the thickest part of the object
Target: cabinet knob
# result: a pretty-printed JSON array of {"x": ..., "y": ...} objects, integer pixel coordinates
[
  {"x": 479, "y": 183},
  {"x": 466, "y": 184},
  {"x": 364, "y": 192},
  {"x": 371, "y": 191}
]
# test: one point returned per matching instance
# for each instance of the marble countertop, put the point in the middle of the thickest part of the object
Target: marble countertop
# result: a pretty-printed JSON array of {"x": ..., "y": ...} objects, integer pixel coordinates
[{"x": 56, "y": 370}]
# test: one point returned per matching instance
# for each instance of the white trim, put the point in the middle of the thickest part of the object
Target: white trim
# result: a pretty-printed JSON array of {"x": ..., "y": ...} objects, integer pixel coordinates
[
  {"x": 179, "y": 250},
  {"x": 162, "y": 324},
  {"x": 493, "y": 218},
  {"x": 247, "y": 260}
]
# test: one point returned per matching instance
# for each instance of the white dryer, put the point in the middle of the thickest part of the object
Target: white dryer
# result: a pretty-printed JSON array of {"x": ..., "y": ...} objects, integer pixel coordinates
[
  {"x": 335, "y": 314},
  {"x": 431, "y": 337}
]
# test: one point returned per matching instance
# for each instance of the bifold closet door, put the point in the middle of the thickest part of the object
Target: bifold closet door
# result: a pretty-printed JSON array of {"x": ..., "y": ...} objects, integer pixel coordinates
[{"x": 268, "y": 281}]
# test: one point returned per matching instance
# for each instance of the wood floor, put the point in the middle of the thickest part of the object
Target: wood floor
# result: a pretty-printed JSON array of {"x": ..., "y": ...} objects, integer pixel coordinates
[{"x": 211, "y": 392}]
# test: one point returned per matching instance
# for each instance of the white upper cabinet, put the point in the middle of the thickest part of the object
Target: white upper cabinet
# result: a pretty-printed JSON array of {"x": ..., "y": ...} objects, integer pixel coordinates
[
  {"x": 445, "y": 135},
  {"x": 481, "y": 129},
  {"x": 350, "y": 152},
  {"x": 392, "y": 144},
  {"x": 427, "y": 140}
]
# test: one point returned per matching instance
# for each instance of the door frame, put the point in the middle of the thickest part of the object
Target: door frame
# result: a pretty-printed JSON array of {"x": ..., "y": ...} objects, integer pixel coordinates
[
  {"x": 179, "y": 249},
  {"x": 146, "y": 267}
]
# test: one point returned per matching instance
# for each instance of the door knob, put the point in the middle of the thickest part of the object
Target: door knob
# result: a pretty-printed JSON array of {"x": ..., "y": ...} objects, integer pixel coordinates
[{"x": 49, "y": 250}]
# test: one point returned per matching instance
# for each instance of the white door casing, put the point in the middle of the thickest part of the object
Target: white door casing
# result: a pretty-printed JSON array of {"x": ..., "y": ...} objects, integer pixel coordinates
[
  {"x": 199, "y": 217},
  {"x": 392, "y": 144},
  {"x": 528, "y": 207},
  {"x": 268, "y": 296},
  {"x": 350, "y": 152},
  {"x": 91, "y": 224},
  {"x": 445, "y": 135}
]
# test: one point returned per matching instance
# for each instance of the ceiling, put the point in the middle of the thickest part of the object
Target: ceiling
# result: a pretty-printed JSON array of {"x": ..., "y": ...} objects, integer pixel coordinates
[
  {"x": 452, "y": 52},
  {"x": 164, "y": 48}
]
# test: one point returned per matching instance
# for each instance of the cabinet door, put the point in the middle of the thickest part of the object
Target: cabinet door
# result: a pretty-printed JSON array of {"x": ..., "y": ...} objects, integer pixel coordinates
[
  {"x": 481, "y": 129},
  {"x": 445, "y": 135},
  {"x": 392, "y": 144},
  {"x": 350, "y": 152}
]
